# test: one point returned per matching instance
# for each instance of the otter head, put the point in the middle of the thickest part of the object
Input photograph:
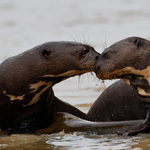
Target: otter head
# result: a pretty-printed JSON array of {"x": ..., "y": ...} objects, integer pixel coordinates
[
  {"x": 126, "y": 59},
  {"x": 29, "y": 75},
  {"x": 65, "y": 59},
  {"x": 129, "y": 56},
  {"x": 50, "y": 61}
]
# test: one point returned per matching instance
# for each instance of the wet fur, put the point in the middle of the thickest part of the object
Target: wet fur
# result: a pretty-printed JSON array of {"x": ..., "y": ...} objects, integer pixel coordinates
[
  {"x": 129, "y": 59},
  {"x": 27, "y": 100}
]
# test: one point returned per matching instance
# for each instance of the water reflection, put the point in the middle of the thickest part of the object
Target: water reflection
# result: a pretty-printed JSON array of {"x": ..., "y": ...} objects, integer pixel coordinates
[{"x": 74, "y": 141}]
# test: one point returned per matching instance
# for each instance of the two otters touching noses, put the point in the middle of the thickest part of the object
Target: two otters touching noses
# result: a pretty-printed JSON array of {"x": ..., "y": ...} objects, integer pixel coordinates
[{"x": 27, "y": 100}]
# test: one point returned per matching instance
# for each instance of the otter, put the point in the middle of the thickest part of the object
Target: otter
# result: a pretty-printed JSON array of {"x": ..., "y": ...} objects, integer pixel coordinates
[
  {"x": 118, "y": 102},
  {"x": 129, "y": 59},
  {"x": 27, "y": 100}
]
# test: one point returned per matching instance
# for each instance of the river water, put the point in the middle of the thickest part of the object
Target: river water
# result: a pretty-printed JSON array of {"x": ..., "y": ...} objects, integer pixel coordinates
[{"x": 25, "y": 24}]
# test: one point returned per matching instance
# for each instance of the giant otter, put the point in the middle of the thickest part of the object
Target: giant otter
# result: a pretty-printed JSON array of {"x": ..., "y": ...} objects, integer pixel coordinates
[
  {"x": 27, "y": 100},
  {"x": 117, "y": 103},
  {"x": 129, "y": 59}
]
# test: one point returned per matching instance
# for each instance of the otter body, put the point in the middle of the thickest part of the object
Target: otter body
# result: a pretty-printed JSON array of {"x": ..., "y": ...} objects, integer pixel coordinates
[
  {"x": 27, "y": 100},
  {"x": 117, "y": 103},
  {"x": 129, "y": 59}
]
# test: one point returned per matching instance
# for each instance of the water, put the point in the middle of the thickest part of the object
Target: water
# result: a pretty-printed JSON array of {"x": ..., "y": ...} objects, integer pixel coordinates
[
  {"x": 75, "y": 141},
  {"x": 25, "y": 24}
]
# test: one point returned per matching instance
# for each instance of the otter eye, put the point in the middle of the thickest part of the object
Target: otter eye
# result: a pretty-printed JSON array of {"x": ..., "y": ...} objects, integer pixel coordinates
[
  {"x": 46, "y": 53},
  {"x": 104, "y": 55},
  {"x": 85, "y": 51},
  {"x": 138, "y": 42}
]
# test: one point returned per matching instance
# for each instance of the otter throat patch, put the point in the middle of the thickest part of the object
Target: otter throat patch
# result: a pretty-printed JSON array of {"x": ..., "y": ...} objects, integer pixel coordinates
[
  {"x": 12, "y": 97},
  {"x": 34, "y": 88},
  {"x": 142, "y": 92}
]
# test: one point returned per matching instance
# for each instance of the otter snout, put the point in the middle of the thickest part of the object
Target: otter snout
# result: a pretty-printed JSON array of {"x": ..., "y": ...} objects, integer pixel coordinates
[
  {"x": 97, "y": 66},
  {"x": 97, "y": 56}
]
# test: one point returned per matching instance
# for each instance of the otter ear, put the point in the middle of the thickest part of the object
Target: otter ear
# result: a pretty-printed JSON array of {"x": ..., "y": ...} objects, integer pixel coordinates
[
  {"x": 46, "y": 53},
  {"x": 138, "y": 42}
]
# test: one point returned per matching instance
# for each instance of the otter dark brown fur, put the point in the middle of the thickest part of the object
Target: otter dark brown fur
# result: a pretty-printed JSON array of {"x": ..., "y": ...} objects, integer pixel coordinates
[
  {"x": 27, "y": 100},
  {"x": 117, "y": 103},
  {"x": 129, "y": 59}
]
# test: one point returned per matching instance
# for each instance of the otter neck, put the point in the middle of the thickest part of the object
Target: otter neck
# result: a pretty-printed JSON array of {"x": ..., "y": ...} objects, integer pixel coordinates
[{"x": 42, "y": 87}]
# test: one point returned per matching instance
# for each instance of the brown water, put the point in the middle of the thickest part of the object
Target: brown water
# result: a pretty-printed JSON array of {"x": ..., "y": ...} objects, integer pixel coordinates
[
  {"x": 75, "y": 141},
  {"x": 24, "y": 24}
]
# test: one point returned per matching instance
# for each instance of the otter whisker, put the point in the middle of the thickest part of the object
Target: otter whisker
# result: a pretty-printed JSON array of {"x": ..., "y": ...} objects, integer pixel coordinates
[
  {"x": 105, "y": 41},
  {"x": 73, "y": 39},
  {"x": 103, "y": 45}
]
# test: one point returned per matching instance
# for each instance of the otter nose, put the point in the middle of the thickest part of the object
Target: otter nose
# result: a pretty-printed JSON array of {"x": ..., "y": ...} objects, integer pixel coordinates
[
  {"x": 97, "y": 56},
  {"x": 97, "y": 68}
]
